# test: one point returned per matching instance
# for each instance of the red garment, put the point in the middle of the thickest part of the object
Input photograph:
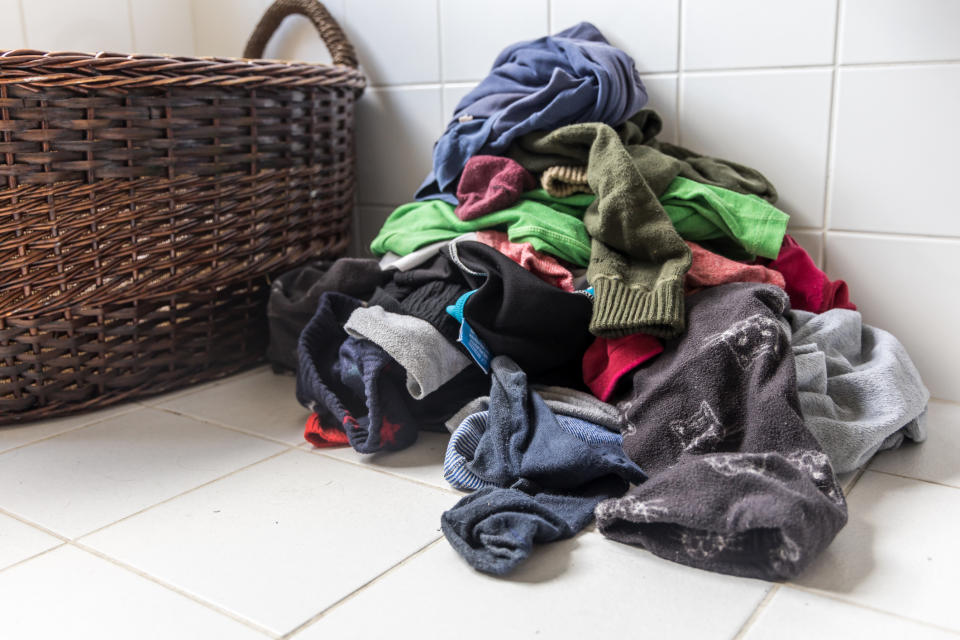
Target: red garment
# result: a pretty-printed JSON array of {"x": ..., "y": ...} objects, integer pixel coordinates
[
  {"x": 320, "y": 435},
  {"x": 609, "y": 359},
  {"x": 709, "y": 270},
  {"x": 489, "y": 184},
  {"x": 539, "y": 264},
  {"x": 808, "y": 287}
]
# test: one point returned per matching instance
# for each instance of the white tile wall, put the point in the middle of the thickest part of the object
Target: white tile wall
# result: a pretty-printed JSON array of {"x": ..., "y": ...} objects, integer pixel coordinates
[
  {"x": 221, "y": 27},
  {"x": 908, "y": 287},
  {"x": 397, "y": 42},
  {"x": 775, "y": 121},
  {"x": 757, "y": 33},
  {"x": 893, "y": 151},
  {"x": 646, "y": 29},
  {"x": 11, "y": 26},
  {"x": 899, "y": 30},
  {"x": 60, "y": 25},
  {"x": 162, "y": 27},
  {"x": 855, "y": 134},
  {"x": 472, "y": 37}
]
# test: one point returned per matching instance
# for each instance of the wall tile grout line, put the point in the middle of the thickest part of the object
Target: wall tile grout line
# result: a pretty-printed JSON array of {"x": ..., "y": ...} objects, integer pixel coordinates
[
  {"x": 836, "y": 598},
  {"x": 894, "y": 235},
  {"x": 23, "y": 24},
  {"x": 362, "y": 587},
  {"x": 820, "y": 67},
  {"x": 826, "y": 213},
  {"x": 768, "y": 596},
  {"x": 133, "y": 32},
  {"x": 680, "y": 71},
  {"x": 186, "y": 594}
]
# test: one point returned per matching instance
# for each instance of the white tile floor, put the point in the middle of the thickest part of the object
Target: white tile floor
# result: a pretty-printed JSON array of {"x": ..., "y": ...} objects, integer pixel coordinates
[{"x": 202, "y": 514}]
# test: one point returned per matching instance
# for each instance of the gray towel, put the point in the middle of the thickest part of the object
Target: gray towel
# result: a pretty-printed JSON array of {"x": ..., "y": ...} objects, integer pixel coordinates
[
  {"x": 563, "y": 401},
  {"x": 859, "y": 390},
  {"x": 429, "y": 359},
  {"x": 737, "y": 482}
]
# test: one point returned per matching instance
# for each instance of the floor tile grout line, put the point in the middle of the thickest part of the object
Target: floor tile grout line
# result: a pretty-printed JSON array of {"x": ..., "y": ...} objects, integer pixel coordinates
[
  {"x": 829, "y": 595},
  {"x": 199, "y": 387},
  {"x": 853, "y": 482},
  {"x": 955, "y": 403},
  {"x": 36, "y": 555},
  {"x": 767, "y": 597},
  {"x": 186, "y": 594},
  {"x": 310, "y": 622},
  {"x": 386, "y": 473},
  {"x": 224, "y": 425},
  {"x": 35, "y": 525},
  {"x": 133, "y": 406},
  {"x": 181, "y": 494},
  {"x": 900, "y": 475}
]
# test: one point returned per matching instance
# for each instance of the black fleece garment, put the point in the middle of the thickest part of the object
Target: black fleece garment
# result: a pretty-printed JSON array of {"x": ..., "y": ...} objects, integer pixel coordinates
[
  {"x": 295, "y": 294},
  {"x": 543, "y": 329}
]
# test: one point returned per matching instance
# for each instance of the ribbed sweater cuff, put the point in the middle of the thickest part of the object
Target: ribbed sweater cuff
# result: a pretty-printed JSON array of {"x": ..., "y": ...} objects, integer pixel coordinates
[{"x": 619, "y": 310}]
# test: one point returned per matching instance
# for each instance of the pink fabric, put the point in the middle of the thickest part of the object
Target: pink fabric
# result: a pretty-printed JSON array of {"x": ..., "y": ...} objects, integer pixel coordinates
[
  {"x": 709, "y": 270},
  {"x": 607, "y": 360},
  {"x": 809, "y": 288},
  {"x": 489, "y": 184},
  {"x": 540, "y": 264}
]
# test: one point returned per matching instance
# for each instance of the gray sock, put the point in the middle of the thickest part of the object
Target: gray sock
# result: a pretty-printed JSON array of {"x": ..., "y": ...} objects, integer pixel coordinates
[
  {"x": 429, "y": 358},
  {"x": 562, "y": 401},
  {"x": 859, "y": 391}
]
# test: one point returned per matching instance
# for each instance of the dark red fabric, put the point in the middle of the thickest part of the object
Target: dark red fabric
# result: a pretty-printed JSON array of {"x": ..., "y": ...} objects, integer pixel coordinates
[
  {"x": 320, "y": 435},
  {"x": 609, "y": 359},
  {"x": 489, "y": 184},
  {"x": 809, "y": 288}
]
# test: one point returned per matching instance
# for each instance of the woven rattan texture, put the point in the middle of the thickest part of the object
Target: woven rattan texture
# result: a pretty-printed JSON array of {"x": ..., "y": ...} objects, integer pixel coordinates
[{"x": 145, "y": 204}]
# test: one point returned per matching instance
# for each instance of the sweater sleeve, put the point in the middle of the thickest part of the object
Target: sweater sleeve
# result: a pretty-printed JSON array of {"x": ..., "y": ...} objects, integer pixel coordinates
[{"x": 637, "y": 260}]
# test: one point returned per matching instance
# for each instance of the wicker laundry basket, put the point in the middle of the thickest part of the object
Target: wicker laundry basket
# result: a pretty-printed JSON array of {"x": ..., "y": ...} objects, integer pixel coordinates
[{"x": 145, "y": 202}]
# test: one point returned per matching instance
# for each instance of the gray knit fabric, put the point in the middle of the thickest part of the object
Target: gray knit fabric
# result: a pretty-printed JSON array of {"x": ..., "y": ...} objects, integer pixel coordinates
[
  {"x": 859, "y": 391},
  {"x": 562, "y": 401},
  {"x": 429, "y": 359}
]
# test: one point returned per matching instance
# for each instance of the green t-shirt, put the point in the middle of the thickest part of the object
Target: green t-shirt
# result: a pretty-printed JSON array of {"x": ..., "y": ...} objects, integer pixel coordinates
[{"x": 736, "y": 225}]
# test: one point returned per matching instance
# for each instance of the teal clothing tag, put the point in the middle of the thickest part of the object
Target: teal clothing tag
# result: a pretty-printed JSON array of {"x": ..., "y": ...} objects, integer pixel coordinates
[{"x": 476, "y": 347}]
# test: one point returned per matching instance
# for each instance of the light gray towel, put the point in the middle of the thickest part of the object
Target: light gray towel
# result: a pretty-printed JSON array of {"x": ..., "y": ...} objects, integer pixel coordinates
[
  {"x": 562, "y": 401},
  {"x": 429, "y": 358},
  {"x": 859, "y": 391}
]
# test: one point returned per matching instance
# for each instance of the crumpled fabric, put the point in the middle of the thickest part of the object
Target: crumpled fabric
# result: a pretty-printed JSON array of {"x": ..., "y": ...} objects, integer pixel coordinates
[
  {"x": 540, "y": 477},
  {"x": 542, "y": 265},
  {"x": 859, "y": 391},
  {"x": 354, "y": 386},
  {"x": 809, "y": 288},
  {"x": 489, "y": 184},
  {"x": 738, "y": 484},
  {"x": 573, "y": 76}
]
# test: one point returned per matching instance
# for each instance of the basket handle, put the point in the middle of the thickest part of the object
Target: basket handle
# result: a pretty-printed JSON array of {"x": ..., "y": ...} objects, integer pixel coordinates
[{"x": 330, "y": 32}]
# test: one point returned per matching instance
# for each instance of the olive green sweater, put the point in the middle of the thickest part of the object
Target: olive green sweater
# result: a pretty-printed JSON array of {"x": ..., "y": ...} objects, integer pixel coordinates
[{"x": 637, "y": 259}]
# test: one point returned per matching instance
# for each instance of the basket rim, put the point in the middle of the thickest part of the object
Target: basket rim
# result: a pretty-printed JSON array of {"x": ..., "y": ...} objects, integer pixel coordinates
[{"x": 106, "y": 69}]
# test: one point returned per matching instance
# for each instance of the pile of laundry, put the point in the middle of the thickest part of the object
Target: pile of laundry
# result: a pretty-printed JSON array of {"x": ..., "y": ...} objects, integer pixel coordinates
[{"x": 612, "y": 327}]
